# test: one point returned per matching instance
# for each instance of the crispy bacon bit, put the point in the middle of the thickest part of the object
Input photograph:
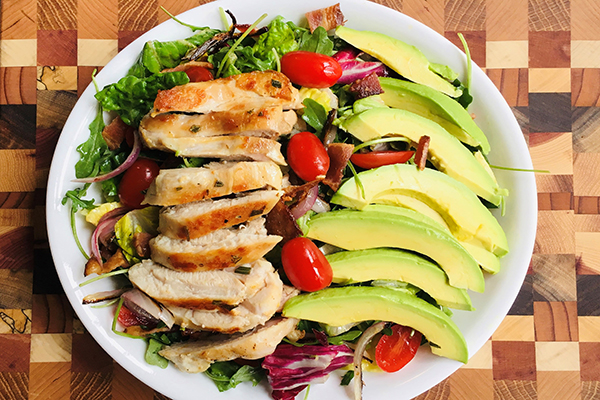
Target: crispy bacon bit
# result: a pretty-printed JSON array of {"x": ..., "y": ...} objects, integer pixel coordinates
[
  {"x": 140, "y": 242},
  {"x": 281, "y": 222},
  {"x": 422, "y": 150},
  {"x": 339, "y": 154},
  {"x": 298, "y": 193},
  {"x": 115, "y": 261},
  {"x": 328, "y": 17},
  {"x": 368, "y": 86},
  {"x": 137, "y": 330},
  {"x": 188, "y": 65},
  {"x": 330, "y": 130},
  {"x": 115, "y": 132}
]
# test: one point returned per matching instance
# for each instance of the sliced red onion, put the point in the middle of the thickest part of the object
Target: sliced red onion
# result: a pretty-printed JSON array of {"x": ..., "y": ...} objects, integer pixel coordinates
[
  {"x": 166, "y": 317},
  {"x": 348, "y": 54},
  {"x": 135, "y": 152},
  {"x": 104, "y": 228},
  {"x": 102, "y": 296},
  {"x": 320, "y": 206},
  {"x": 353, "y": 70},
  {"x": 364, "y": 340},
  {"x": 117, "y": 212},
  {"x": 305, "y": 204},
  {"x": 143, "y": 306}
]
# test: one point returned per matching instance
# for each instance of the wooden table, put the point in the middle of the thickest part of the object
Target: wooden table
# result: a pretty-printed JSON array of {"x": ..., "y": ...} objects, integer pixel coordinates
[{"x": 544, "y": 56}]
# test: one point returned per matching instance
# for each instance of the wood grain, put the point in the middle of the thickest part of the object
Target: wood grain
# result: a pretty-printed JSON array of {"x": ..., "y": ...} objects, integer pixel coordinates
[
  {"x": 16, "y": 289},
  {"x": 515, "y": 390},
  {"x": 97, "y": 20},
  {"x": 590, "y": 390},
  {"x": 126, "y": 387},
  {"x": 471, "y": 384},
  {"x": 506, "y": 20},
  {"x": 584, "y": 19},
  {"x": 549, "y": 15},
  {"x": 15, "y": 321},
  {"x": 430, "y": 12},
  {"x": 441, "y": 391},
  {"x": 585, "y": 87},
  {"x": 556, "y": 233},
  {"x": 16, "y": 199},
  {"x": 586, "y": 174},
  {"x": 137, "y": 15},
  {"x": 15, "y": 251},
  {"x": 554, "y": 277},
  {"x": 555, "y": 321},
  {"x": 57, "y": 14},
  {"x": 457, "y": 21},
  {"x": 555, "y": 201},
  {"x": 16, "y": 85},
  {"x": 52, "y": 314},
  {"x": 563, "y": 385},
  {"x": 586, "y": 129},
  {"x": 90, "y": 386},
  {"x": 14, "y": 385},
  {"x": 512, "y": 83},
  {"x": 18, "y": 19},
  {"x": 49, "y": 381}
]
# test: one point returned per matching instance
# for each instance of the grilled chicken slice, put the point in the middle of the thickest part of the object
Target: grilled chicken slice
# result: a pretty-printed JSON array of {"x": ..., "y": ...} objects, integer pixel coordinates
[
  {"x": 252, "y": 312},
  {"x": 197, "y": 356},
  {"x": 238, "y": 92},
  {"x": 267, "y": 122},
  {"x": 206, "y": 290},
  {"x": 192, "y": 220},
  {"x": 233, "y": 148},
  {"x": 220, "y": 249},
  {"x": 184, "y": 185}
]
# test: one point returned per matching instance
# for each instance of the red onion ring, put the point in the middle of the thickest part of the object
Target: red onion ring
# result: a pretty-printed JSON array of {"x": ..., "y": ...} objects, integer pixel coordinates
[
  {"x": 135, "y": 152},
  {"x": 104, "y": 227},
  {"x": 305, "y": 204},
  {"x": 364, "y": 340}
]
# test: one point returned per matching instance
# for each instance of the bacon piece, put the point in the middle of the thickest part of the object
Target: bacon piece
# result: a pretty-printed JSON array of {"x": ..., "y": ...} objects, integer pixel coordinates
[
  {"x": 328, "y": 17},
  {"x": 339, "y": 154},
  {"x": 299, "y": 192},
  {"x": 115, "y": 261},
  {"x": 115, "y": 132},
  {"x": 365, "y": 87},
  {"x": 422, "y": 150},
  {"x": 188, "y": 65},
  {"x": 281, "y": 222}
]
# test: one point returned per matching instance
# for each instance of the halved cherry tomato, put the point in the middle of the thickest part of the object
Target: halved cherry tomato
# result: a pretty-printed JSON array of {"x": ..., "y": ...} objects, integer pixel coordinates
[
  {"x": 376, "y": 159},
  {"x": 127, "y": 318},
  {"x": 307, "y": 156},
  {"x": 198, "y": 74},
  {"x": 310, "y": 69},
  {"x": 136, "y": 181},
  {"x": 395, "y": 351},
  {"x": 305, "y": 265}
]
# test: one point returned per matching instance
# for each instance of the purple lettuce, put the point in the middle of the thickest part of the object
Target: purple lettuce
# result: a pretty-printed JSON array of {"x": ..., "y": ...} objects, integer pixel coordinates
[{"x": 353, "y": 69}]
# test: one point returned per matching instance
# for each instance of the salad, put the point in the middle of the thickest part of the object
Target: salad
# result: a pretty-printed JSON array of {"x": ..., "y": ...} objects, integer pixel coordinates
[{"x": 307, "y": 259}]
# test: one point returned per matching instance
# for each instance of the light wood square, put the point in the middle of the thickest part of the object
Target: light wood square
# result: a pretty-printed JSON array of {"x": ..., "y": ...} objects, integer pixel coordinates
[
  {"x": 589, "y": 329},
  {"x": 554, "y": 154},
  {"x": 18, "y": 52},
  {"x": 97, "y": 19},
  {"x": 586, "y": 174},
  {"x": 563, "y": 385},
  {"x": 176, "y": 7},
  {"x": 555, "y": 232},
  {"x": 587, "y": 223},
  {"x": 18, "y": 19},
  {"x": 506, "y": 20},
  {"x": 587, "y": 248},
  {"x": 507, "y": 54},
  {"x": 96, "y": 52},
  {"x": 516, "y": 328},
  {"x": 56, "y": 78},
  {"x": 471, "y": 384},
  {"x": 17, "y": 168},
  {"x": 482, "y": 359},
  {"x": 585, "y": 15},
  {"x": 47, "y": 347},
  {"x": 549, "y": 80},
  {"x": 16, "y": 217},
  {"x": 16, "y": 321},
  {"x": 431, "y": 13},
  {"x": 49, "y": 381},
  {"x": 585, "y": 54},
  {"x": 557, "y": 356}
]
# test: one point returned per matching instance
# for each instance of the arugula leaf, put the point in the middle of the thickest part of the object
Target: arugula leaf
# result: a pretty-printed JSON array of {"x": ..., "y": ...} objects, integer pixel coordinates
[
  {"x": 92, "y": 149},
  {"x": 152, "y": 357},
  {"x": 347, "y": 378},
  {"x": 345, "y": 337},
  {"x": 227, "y": 374},
  {"x": 77, "y": 202},
  {"x": 465, "y": 98},
  {"x": 315, "y": 114},
  {"x": 132, "y": 97},
  {"x": 317, "y": 42}
]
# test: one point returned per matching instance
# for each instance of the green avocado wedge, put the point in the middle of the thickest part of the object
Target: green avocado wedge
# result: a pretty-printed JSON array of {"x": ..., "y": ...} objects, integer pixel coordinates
[
  {"x": 468, "y": 219},
  {"x": 359, "y": 230},
  {"x": 403, "y": 58},
  {"x": 399, "y": 265},
  {"x": 341, "y": 306},
  {"x": 433, "y": 105},
  {"x": 446, "y": 152}
]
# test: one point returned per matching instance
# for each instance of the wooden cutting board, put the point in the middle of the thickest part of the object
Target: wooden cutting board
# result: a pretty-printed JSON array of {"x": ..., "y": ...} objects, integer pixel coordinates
[{"x": 544, "y": 56}]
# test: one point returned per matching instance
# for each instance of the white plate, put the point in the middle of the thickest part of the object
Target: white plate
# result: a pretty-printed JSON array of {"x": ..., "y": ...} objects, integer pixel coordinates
[{"x": 493, "y": 116}]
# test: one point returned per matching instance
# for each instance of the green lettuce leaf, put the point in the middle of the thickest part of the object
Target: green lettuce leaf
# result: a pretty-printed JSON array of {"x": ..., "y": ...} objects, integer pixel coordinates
[
  {"x": 92, "y": 149},
  {"x": 136, "y": 221},
  {"x": 314, "y": 115},
  {"x": 280, "y": 37},
  {"x": 317, "y": 42},
  {"x": 152, "y": 357},
  {"x": 227, "y": 374}
]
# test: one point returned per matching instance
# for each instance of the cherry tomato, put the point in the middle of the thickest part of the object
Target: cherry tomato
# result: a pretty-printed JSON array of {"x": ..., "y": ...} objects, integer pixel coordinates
[
  {"x": 310, "y": 69},
  {"x": 127, "y": 318},
  {"x": 136, "y": 180},
  {"x": 376, "y": 159},
  {"x": 307, "y": 156},
  {"x": 198, "y": 74},
  {"x": 305, "y": 265},
  {"x": 396, "y": 350}
]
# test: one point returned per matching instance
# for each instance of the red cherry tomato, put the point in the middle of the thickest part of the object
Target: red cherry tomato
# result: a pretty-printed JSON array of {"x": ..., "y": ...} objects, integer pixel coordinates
[
  {"x": 198, "y": 74},
  {"x": 395, "y": 351},
  {"x": 305, "y": 265},
  {"x": 136, "y": 180},
  {"x": 376, "y": 159},
  {"x": 127, "y": 318},
  {"x": 307, "y": 156},
  {"x": 310, "y": 69}
]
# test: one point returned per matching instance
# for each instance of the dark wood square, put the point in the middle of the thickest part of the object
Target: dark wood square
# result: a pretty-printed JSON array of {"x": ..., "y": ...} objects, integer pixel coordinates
[
  {"x": 57, "y": 48},
  {"x": 550, "y": 49}
]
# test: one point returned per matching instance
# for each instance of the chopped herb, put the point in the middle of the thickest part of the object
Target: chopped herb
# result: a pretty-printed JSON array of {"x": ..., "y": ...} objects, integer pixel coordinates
[
  {"x": 243, "y": 270},
  {"x": 219, "y": 184},
  {"x": 235, "y": 259},
  {"x": 347, "y": 378},
  {"x": 275, "y": 83},
  {"x": 178, "y": 188},
  {"x": 250, "y": 111},
  {"x": 258, "y": 211},
  {"x": 194, "y": 128}
]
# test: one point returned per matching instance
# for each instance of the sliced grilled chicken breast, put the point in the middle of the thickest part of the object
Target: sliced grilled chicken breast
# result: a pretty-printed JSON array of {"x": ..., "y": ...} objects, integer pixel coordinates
[
  {"x": 250, "y": 313},
  {"x": 196, "y": 356},
  {"x": 184, "y": 185},
  {"x": 267, "y": 122},
  {"x": 220, "y": 249},
  {"x": 233, "y": 148},
  {"x": 206, "y": 290},
  {"x": 238, "y": 92},
  {"x": 192, "y": 220}
]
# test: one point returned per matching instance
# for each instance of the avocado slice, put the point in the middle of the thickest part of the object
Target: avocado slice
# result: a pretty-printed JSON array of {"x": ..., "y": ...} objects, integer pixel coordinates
[
  {"x": 400, "y": 265},
  {"x": 445, "y": 151},
  {"x": 358, "y": 230},
  {"x": 487, "y": 260},
  {"x": 465, "y": 215},
  {"x": 433, "y": 105},
  {"x": 341, "y": 306}
]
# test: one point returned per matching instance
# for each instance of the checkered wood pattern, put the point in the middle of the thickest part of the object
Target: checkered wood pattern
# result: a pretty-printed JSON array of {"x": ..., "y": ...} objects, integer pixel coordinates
[{"x": 544, "y": 56}]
